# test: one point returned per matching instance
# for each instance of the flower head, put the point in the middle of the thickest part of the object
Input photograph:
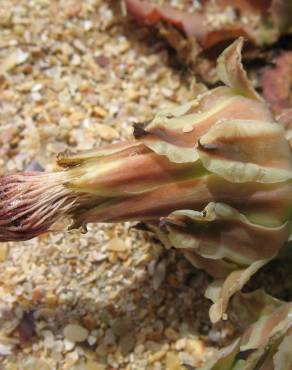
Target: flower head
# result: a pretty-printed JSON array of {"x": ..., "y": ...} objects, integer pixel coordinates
[{"x": 212, "y": 177}]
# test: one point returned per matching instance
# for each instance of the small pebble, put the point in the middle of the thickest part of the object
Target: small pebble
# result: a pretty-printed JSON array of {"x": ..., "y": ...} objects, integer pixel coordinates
[
  {"x": 188, "y": 128},
  {"x": 116, "y": 245},
  {"x": 68, "y": 345},
  {"x": 75, "y": 333},
  {"x": 172, "y": 361},
  {"x": 159, "y": 274},
  {"x": 127, "y": 343},
  {"x": 3, "y": 251},
  {"x": 93, "y": 365}
]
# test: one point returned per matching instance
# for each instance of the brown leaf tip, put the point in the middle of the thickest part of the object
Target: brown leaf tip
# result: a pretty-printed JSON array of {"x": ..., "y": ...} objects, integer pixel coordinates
[{"x": 139, "y": 129}]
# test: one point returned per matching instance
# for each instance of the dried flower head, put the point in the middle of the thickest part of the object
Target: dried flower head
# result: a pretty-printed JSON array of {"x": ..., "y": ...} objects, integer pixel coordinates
[{"x": 211, "y": 177}]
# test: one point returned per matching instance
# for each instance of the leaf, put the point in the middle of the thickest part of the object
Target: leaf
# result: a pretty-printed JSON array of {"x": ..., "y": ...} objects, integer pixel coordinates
[
  {"x": 134, "y": 170},
  {"x": 195, "y": 25},
  {"x": 122, "y": 149},
  {"x": 283, "y": 358},
  {"x": 187, "y": 48},
  {"x": 259, "y": 333},
  {"x": 225, "y": 244},
  {"x": 166, "y": 133},
  {"x": 230, "y": 71},
  {"x": 247, "y": 150},
  {"x": 264, "y": 345},
  {"x": 175, "y": 132},
  {"x": 226, "y": 288},
  {"x": 229, "y": 33},
  {"x": 191, "y": 23},
  {"x": 220, "y": 232}
]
